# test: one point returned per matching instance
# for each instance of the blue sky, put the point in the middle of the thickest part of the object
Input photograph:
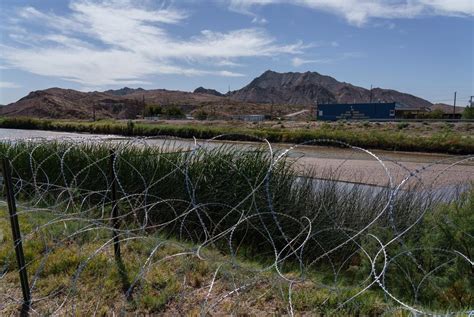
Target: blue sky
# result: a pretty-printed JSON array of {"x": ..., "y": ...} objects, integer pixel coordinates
[{"x": 423, "y": 47}]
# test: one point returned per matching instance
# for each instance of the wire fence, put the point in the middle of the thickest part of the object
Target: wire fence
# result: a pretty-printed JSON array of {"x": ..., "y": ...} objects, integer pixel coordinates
[{"x": 129, "y": 227}]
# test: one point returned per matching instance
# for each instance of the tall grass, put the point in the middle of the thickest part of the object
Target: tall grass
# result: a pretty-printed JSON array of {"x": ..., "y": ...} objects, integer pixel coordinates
[{"x": 201, "y": 193}]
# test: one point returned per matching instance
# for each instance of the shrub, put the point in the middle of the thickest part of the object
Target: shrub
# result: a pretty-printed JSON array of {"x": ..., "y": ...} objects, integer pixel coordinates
[
  {"x": 153, "y": 110},
  {"x": 201, "y": 115},
  {"x": 174, "y": 112},
  {"x": 130, "y": 127},
  {"x": 402, "y": 125},
  {"x": 435, "y": 114}
]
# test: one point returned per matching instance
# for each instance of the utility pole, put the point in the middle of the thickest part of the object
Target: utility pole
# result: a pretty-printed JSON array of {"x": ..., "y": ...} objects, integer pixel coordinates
[
  {"x": 470, "y": 101},
  {"x": 454, "y": 105},
  {"x": 370, "y": 94},
  {"x": 316, "y": 113}
]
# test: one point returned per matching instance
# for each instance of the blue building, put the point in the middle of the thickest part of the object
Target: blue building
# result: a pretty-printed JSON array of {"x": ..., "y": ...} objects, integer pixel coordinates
[{"x": 361, "y": 111}]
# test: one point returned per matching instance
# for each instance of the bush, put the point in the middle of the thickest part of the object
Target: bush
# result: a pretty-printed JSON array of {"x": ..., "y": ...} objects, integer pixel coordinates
[
  {"x": 153, "y": 110},
  {"x": 130, "y": 127},
  {"x": 174, "y": 112},
  {"x": 435, "y": 114},
  {"x": 402, "y": 125},
  {"x": 201, "y": 115}
]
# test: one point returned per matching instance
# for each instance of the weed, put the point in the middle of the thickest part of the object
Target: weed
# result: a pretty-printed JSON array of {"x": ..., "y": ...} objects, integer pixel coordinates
[{"x": 402, "y": 125}]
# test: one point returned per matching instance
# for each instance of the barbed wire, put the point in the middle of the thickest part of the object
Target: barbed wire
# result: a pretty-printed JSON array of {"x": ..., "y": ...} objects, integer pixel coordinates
[{"x": 221, "y": 205}]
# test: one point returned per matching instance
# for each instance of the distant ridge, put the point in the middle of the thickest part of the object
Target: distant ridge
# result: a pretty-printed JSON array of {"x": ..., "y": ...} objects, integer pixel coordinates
[
  {"x": 291, "y": 89},
  {"x": 202, "y": 90},
  {"x": 123, "y": 91}
]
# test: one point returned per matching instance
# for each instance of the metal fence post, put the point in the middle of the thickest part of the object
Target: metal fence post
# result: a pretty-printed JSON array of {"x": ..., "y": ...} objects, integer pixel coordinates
[
  {"x": 116, "y": 227},
  {"x": 115, "y": 220},
  {"x": 15, "y": 226}
]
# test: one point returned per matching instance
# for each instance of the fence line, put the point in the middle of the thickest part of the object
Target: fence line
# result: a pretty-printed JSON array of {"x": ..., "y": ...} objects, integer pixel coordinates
[{"x": 197, "y": 201}]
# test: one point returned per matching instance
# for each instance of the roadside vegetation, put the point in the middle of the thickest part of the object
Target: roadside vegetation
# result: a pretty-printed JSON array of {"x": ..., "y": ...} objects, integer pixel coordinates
[
  {"x": 158, "y": 111},
  {"x": 468, "y": 112},
  {"x": 173, "y": 203},
  {"x": 369, "y": 135}
]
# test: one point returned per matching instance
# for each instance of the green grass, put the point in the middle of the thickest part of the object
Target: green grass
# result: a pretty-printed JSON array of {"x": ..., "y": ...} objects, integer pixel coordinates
[
  {"x": 400, "y": 140},
  {"x": 177, "y": 285}
]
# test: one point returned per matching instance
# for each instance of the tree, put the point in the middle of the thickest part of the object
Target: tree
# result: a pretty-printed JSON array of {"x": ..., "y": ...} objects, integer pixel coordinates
[
  {"x": 468, "y": 113},
  {"x": 174, "y": 112},
  {"x": 153, "y": 110},
  {"x": 201, "y": 115},
  {"x": 436, "y": 114}
]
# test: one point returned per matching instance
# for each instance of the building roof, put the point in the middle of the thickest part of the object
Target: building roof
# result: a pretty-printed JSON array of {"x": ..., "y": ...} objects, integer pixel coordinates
[
  {"x": 403, "y": 107},
  {"x": 398, "y": 105}
]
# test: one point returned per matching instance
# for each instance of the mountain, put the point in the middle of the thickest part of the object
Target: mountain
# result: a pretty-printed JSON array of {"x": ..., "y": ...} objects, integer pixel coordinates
[
  {"x": 202, "y": 90},
  {"x": 291, "y": 91},
  {"x": 311, "y": 87},
  {"x": 123, "y": 91}
]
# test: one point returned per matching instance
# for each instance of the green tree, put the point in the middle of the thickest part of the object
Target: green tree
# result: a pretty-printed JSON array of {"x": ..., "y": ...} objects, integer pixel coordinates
[
  {"x": 468, "y": 113},
  {"x": 174, "y": 112},
  {"x": 436, "y": 114},
  {"x": 153, "y": 110}
]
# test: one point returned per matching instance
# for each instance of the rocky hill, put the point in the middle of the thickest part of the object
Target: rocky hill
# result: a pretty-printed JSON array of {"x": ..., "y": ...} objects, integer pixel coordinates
[
  {"x": 311, "y": 87},
  {"x": 120, "y": 104},
  {"x": 71, "y": 104},
  {"x": 124, "y": 91},
  {"x": 202, "y": 90}
]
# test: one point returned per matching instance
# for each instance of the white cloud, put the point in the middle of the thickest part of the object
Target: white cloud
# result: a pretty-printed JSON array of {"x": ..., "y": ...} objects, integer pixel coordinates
[
  {"x": 114, "y": 42},
  {"x": 6, "y": 84},
  {"x": 259, "y": 20},
  {"x": 358, "y": 12},
  {"x": 297, "y": 61},
  {"x": 450, "y": 7},
  {"x": 228, "y": 63},
  {"x": 230, "y": 74}
]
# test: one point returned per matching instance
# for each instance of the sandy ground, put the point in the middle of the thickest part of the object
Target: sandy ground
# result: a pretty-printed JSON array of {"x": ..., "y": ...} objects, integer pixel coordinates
[{"x": 374, "y": 173}]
